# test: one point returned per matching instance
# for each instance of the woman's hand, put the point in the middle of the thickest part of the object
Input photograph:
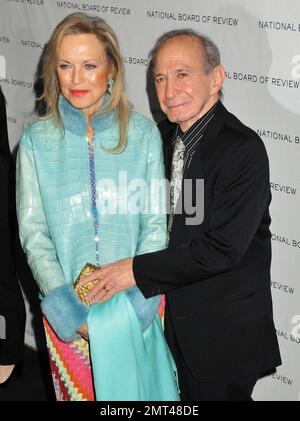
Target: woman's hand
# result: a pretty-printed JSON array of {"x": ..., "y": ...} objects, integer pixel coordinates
[
  {"x": 113, "y": 278},
  {"x": 83, "y": 331}
]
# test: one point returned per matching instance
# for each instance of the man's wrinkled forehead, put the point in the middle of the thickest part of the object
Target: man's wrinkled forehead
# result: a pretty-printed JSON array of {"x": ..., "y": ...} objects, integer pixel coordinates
[{"x": 185, "y": 47}]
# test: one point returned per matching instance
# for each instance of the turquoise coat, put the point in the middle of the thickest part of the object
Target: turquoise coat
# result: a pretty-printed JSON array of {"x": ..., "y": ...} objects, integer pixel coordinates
[{"x": 57, "y": 234}]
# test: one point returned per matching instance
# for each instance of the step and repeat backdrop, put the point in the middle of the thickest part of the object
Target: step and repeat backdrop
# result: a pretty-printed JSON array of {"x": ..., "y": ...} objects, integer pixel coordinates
[{"x": 260, "y": 49}]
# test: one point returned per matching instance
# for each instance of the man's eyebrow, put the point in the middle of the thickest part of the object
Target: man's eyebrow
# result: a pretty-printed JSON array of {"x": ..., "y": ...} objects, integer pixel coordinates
[
  {"x": 179, "y": 70},
  {"x": 182, "y": 69}
]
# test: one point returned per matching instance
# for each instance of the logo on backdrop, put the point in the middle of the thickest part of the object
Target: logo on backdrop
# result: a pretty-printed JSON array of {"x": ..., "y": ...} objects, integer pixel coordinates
[
  {"x": 283, "y": 379},
  {"x": 272, "y": 81},
  {"x": 32, "y": 44},
  {"x": 295, "y": 72},
  {"x": 280, "y": 188},
  {"x": 4, "y": 39},
  {"x": 136, "y": 60},
  {"x": 183, "y": 16},
  {"x": 28, "y": 2},
  {"x": 293, "y": 337},
  {"x": 2, "y": 67},
  {"x": 2, "y": 327},
  {"x": 94, "y": 8},
  {"x": 15, "y": 82},
  {"x": 272, "y": 25},
  {"x": 282, "y": 239},
  {"x": 11, "y": 120},
  {"x": 296, "y": 328},
  {"x": 281, "y": 287},
  {"x": 278, "y": 137}
]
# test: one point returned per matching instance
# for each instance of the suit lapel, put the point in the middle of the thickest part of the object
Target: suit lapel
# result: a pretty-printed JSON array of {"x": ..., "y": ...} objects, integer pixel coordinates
[
  {"x": 206, "y": 144},
  {"x": 167, "y": 130}
]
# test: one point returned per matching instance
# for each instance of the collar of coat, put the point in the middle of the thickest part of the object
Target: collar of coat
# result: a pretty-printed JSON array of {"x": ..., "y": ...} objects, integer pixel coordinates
[{"x": 75, "y": 121}]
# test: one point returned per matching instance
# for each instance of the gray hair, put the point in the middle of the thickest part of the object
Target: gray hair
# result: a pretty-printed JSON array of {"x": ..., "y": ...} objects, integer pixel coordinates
[{"x": 212, "y": 53}]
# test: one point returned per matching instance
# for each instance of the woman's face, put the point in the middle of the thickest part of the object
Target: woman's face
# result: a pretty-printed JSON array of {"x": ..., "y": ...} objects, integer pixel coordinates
[{"x": 83, "y": 71}]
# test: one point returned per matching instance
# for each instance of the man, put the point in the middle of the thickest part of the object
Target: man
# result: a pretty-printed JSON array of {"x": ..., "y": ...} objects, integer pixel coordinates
[
  {"x": 12, "y": 310},
  {"x": 216, "y": 275}
]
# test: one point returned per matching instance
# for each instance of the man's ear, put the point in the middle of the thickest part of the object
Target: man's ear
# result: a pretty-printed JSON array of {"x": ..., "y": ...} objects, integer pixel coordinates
[{"x": 218, "y": 77}]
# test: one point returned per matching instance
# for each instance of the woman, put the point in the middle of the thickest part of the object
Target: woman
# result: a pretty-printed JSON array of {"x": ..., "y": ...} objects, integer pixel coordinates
[
  {"x": 74, "y": 207},
  {"x": 12, "y": 311}
]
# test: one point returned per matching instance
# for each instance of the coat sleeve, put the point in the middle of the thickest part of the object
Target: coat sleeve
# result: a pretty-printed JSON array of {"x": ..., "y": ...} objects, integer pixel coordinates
[
  {"x": 62, "y": 308},
  {"x": 241, "y": 197}
]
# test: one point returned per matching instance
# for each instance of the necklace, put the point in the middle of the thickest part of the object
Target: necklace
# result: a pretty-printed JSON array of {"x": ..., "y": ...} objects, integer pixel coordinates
[{"x": 91, "y": 141}]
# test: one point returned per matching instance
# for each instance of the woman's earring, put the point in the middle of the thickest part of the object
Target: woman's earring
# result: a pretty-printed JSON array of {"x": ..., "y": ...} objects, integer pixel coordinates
[{"x": 110, "y": 85}]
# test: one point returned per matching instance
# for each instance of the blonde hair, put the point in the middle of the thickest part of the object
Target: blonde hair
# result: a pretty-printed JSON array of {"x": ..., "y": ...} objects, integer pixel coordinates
[{"x": 80, "y": 23}]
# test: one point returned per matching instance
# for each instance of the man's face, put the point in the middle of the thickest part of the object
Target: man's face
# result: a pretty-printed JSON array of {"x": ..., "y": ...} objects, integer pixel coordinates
[{"x": 184, "y": 90}]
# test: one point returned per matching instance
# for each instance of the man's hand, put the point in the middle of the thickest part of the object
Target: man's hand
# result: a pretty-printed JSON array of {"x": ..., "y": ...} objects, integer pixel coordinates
[{"x": 113, "y": 278}]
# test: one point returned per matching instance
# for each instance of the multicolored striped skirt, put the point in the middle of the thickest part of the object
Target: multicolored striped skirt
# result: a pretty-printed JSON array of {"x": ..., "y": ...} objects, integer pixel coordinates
[
  {"x": 70, "y": 368},
  {"x": 70, "y": 365}
]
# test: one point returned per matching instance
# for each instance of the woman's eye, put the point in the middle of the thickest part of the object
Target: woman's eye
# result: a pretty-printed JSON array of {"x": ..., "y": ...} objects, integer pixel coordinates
[
  {"x": 63, "y": 66},
  {"x": 89, "y": 66},
  {"x": 159, "y": 79}
]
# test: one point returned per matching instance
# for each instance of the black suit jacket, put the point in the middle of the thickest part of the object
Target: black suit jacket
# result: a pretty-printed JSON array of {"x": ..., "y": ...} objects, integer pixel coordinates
[
  {"x": 216, "y": 275},
  {"x": 11, "y": 300}
]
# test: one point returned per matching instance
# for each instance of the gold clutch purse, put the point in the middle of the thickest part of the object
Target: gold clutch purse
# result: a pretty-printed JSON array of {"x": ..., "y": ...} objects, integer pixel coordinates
[{"x": 83, "y": 290}]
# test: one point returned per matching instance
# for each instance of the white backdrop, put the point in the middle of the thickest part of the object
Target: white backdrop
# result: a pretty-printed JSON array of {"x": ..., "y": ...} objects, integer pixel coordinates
[{"x": 260, "y": 49}]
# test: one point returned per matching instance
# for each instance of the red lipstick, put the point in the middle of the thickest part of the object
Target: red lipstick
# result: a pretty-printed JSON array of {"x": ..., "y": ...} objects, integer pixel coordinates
[{"x": 79, "y": 92}]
